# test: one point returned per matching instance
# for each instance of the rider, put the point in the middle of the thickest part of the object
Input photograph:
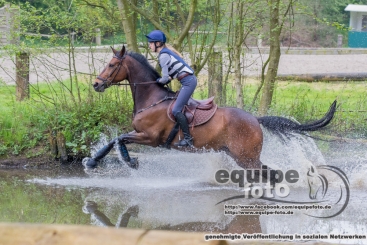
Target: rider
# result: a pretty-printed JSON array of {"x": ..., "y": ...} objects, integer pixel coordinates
[{"x": 173, "y": 66}]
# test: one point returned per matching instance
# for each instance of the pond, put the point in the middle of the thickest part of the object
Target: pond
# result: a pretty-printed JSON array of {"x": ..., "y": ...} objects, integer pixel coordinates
[{"x": 174, "y": 190}]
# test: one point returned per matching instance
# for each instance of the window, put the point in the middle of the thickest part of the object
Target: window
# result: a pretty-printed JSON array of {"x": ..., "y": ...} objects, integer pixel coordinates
[{"x": 364, "y": 22}]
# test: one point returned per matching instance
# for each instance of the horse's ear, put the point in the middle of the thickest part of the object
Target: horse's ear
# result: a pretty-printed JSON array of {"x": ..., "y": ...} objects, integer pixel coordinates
[
  {"x": 123, "y": 50},
  {"x": 113, "y": 50}
]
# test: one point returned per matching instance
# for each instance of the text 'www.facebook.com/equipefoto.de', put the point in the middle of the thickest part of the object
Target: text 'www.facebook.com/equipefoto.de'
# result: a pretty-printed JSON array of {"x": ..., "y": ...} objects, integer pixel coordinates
[{"x": 267, "y": 209}]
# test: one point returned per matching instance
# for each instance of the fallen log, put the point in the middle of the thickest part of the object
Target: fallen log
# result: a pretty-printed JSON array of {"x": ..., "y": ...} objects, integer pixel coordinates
[
  {"x": 43, "y": 234},
  {"x": 362, "y": 76}
]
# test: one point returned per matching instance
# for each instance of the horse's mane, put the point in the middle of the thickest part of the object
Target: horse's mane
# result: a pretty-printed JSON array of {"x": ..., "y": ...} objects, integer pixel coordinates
[{"x": 144, "y": 62}]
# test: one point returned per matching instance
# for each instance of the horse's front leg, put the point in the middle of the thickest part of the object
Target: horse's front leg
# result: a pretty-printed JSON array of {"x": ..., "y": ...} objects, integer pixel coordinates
[
  {"x": 132, "y": 137},
  {"x": 141, "y": 138},
  {"x": 124, "y": 153},
  {"x": 91, "y": 163}
]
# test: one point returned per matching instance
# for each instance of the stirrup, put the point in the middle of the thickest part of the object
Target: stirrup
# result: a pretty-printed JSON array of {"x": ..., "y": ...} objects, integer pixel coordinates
[{"x": 185, "y": 143}]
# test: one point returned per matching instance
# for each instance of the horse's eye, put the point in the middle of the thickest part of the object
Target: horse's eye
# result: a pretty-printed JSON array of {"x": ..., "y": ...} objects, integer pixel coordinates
[{"x": 111, "y": 65}]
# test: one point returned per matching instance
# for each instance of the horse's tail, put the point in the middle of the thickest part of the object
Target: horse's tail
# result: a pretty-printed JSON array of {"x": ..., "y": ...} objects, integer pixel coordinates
[{"x": 283, "y": 125}]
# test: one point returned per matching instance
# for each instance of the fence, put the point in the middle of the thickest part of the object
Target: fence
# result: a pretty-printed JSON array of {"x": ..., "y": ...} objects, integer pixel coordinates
[{"x": 7, "y": 25}]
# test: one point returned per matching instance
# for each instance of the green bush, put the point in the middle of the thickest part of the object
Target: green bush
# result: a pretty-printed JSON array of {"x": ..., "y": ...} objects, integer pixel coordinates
[{"x": 30, "y": 123}]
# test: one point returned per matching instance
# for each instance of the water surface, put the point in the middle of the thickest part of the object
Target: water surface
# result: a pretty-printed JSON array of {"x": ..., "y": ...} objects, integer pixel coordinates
[{"x": 173, "y": 190}]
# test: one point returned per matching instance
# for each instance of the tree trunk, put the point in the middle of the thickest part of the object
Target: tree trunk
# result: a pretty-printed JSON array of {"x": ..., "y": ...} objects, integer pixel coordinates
[
  {"x": 128, "y": 23},
  {"x": 238, "y": 79},
  {"x": 239, "y": 34},
  {"x": 274, "y": 57},
  {"x": 22, "y": 79},
  {"x": 215, "y": 78}
]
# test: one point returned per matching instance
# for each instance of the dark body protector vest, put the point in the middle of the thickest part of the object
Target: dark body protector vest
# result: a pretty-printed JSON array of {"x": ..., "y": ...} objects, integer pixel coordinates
[{"x": 177, "y": 64}]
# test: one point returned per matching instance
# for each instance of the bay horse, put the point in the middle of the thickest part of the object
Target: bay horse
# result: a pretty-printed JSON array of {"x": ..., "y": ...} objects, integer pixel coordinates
[{"x": 232, "y": 130}]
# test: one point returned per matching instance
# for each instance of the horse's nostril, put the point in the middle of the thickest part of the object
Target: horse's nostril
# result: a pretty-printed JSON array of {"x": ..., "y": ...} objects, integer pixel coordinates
[{"x": 95, "y": 85}]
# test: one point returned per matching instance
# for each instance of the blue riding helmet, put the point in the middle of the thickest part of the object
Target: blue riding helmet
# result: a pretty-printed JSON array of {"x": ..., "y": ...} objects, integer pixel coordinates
[{"x": 156, "y": 36}]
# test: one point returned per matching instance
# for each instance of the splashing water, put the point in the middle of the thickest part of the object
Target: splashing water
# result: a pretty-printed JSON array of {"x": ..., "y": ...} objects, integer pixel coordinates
[
  {"x": 173, "y": 187},
  {"x": 296, "y": 153}
]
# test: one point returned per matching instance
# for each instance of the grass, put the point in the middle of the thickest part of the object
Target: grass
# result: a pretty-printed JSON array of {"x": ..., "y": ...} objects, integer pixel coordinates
[
  {"x": 306, "y": 101},
  {"x": 28, "y": 124},
  {"x": 310, "y": 101}
]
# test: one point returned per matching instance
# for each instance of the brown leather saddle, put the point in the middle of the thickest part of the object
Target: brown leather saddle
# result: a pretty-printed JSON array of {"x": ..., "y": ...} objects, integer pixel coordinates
[{"x": 197, "y": 112}]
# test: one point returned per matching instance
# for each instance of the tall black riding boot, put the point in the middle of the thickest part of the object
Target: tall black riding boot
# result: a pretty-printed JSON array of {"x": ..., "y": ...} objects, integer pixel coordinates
[{"x": 182, "y": 121}]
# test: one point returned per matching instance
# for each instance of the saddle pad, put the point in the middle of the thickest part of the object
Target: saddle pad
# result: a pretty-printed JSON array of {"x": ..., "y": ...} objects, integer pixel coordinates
[{"x": 200, "y": 116}]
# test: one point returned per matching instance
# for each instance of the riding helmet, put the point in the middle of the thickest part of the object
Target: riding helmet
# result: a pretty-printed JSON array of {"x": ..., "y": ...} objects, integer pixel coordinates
[{"x": 156, "y": 36}]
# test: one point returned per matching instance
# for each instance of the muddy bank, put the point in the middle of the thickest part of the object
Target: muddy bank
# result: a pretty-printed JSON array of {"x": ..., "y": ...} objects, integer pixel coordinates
[
  {"x": 24, "y": 162},
  {"x": 48, "y": 161}
]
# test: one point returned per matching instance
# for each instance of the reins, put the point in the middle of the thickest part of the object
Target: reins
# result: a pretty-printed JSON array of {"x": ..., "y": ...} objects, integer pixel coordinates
[
  {"x": 126, "y": 84},
  {"x": 152, "y": 105},
  {"x": 108, "y": 82},
  {"x": 156, "y": 103}
]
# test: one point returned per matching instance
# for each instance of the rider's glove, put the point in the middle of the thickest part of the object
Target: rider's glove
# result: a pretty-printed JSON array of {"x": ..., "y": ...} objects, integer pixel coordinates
[{"x": 163, "y": 83}]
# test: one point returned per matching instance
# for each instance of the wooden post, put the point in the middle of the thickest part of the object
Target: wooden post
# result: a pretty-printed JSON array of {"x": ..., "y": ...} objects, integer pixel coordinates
[
  {"x": 53, "y": 144},
  {"x": 72, "y": 37},
  {"x": 22, "y": 76},
  {"x": 259, "y": 41},
  {"x": 61, "y": 147},
  {"x": 98, "y": 36},
  {"x": 340, "y": 41},
  {"x": 215, "y": 78}
]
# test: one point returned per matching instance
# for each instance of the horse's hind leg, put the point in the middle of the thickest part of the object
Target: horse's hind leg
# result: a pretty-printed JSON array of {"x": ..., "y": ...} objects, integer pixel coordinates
[
  {"x": 255, "y": 163},
  {"x": 131, "y": 162},
  {"x": 243, "y": 137},
  {"x": 246, "y": 151},
  {"x": 246, "y": 161}
]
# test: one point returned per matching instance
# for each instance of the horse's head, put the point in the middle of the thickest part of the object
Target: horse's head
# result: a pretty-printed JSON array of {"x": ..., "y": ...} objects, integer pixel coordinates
[
  {"x": 316, "y": 182},
  {"x": 113, "y": 73}
]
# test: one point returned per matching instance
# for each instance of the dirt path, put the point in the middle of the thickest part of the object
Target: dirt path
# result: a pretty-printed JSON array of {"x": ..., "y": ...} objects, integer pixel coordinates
[{"x": 54, "y": 66}]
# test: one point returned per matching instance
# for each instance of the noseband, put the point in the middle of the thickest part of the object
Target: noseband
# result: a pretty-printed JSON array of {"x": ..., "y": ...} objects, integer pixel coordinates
[{"x": 106, "y": 81}]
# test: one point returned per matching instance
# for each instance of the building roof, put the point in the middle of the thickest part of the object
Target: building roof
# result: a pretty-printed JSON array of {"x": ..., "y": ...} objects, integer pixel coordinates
[{"x": 356, "y": 8}]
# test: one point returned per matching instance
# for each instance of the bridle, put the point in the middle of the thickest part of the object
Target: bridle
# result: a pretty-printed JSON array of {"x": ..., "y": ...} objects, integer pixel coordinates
[{"x": 108, "y": 82}]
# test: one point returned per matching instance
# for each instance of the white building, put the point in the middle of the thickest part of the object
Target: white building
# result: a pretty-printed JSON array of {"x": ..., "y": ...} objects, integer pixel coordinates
[{"x": 357, "y": 37}]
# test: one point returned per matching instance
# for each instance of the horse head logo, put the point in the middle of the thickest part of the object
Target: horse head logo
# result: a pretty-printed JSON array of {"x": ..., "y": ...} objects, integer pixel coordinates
[{"x": 317, "y": 183}]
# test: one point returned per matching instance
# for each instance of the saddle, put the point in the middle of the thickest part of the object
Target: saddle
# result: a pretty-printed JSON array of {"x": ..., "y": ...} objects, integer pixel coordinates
[{"x": 197, "y": 112}]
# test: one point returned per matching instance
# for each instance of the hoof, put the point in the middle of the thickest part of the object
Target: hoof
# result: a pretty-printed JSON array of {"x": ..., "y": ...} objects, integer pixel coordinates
[
  {"x": 166, "y": 146},
  {"x": 89, "y": 207},
  {"x": 89, "y": 163},
  {"x": 133, "y": 163}
]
